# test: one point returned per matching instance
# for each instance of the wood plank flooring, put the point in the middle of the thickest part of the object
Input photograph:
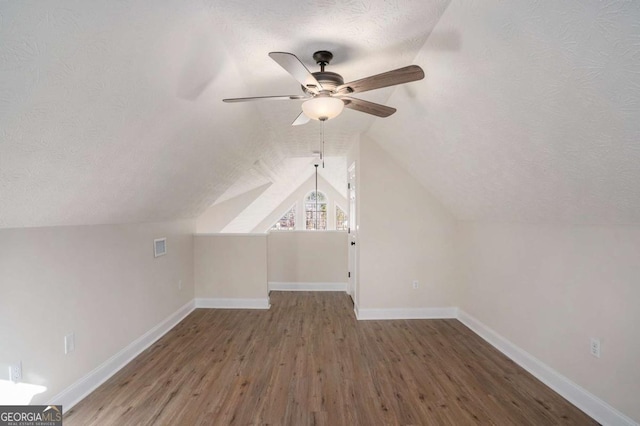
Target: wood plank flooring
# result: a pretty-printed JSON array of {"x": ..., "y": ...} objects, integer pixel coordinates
[{"x": 308, "y": 361}]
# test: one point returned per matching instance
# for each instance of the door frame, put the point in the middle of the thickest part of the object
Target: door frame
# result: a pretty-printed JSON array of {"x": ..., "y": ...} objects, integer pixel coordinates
[{"x": 352, "y": 233}]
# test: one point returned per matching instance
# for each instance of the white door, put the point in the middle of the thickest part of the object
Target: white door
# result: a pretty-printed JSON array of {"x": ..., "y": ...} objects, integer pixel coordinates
[{"x": 353, "y": 234}]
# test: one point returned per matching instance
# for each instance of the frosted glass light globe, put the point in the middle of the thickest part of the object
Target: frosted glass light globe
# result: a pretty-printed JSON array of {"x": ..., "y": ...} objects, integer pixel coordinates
[{"x": 322, "y": 108}]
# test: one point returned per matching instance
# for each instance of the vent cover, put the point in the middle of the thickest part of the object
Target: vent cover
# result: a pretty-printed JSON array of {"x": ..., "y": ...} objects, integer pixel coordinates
[{"x": 159, "y": 247}]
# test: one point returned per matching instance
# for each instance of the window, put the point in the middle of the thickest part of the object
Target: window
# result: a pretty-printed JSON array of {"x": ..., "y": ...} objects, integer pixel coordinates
[
  {"x": 310, "y": 211},
  {"x": 288, "y": 221},
  {"x": 342, "y": 220}
]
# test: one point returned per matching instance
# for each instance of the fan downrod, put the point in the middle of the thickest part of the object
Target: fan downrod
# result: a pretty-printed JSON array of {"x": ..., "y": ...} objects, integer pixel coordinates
[
  {"x": 322, "y": 58},
  {"x": 329, "y": 80}
]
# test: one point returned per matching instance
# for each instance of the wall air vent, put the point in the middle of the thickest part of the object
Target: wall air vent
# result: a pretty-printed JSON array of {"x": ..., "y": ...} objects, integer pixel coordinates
[{"x": 159, "y": 247}]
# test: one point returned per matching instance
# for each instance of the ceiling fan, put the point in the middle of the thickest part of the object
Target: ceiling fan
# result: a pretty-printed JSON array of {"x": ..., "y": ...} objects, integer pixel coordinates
[{"x": 326, "y": 93}]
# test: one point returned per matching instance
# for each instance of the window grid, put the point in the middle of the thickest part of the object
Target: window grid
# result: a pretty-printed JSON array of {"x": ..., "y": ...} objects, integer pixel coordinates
[
  {"x": 287, "y": 222},
  {"x": 310, "y": 211},
  {"x": 342, "y": 220}
]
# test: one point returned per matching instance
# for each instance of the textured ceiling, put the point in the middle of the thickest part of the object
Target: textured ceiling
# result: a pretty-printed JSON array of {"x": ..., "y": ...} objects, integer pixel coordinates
[
  {"x": 111, "y": 112},
  {"x": 530, "y": 112}
]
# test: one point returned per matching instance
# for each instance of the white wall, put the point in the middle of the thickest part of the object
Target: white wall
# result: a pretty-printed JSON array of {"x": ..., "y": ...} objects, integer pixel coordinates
[
  {"x": 217, "y": 216},
  {"x": 230, "y": 266},
  {"x": 307, "y": 256},
  {"x": 548, "y": 289},
  {"x": 100, "y": 282},
  {"x": 404, "y": 234}
]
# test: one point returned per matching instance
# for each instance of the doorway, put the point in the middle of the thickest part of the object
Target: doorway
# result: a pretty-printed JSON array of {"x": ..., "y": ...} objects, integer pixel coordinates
[{"x": 353, "y": 234}]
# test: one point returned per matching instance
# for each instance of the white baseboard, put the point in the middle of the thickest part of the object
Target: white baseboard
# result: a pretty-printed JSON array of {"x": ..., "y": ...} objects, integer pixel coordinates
[
  {"x": 578, "y": 396},
  {"x": 300, "y": 286},
  {"x": 83, "y": 387},
  {"x": 233, "y": 303},
  {"x": 405, "y": 313}
]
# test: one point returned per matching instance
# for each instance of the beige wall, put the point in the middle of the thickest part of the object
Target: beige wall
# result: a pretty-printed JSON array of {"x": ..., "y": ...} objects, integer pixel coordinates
[
  {"x": 216, "y": 217},
  {"x": 404, "y": 234},
  {"x": 100, "y": 282},
  {"x": 296, "y": 198},
  {"x": 548, "y": 289},
  {"x": 307, "y": 256},
  {"x": 230, "y": 266}
]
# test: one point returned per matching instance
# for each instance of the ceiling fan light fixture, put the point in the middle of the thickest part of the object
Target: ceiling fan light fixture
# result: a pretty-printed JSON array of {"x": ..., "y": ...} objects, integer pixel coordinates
[
  {"x": 325, "y": 92},
  {"x": 322, "y": 108}
]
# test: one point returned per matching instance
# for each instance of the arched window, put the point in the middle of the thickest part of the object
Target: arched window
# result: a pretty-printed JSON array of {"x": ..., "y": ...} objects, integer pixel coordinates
[{"x": 315, "y": 220}]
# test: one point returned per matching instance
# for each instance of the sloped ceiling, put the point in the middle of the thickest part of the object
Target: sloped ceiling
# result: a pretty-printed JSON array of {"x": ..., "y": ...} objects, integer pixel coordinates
[
  {"x": 530, "y": 112},
  {"x": 111, "y": 112},
  {"x": 292, "y": 172}
]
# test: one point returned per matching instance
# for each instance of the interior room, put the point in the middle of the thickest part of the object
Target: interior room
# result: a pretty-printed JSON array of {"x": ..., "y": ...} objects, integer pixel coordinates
[{"x": 303, "y": 212}]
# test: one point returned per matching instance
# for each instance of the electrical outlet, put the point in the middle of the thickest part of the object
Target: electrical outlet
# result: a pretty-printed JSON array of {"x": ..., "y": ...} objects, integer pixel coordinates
[
  {"x": 15, "y": 372},
  {"x": 415, "y": 284},
  {"x": 69, "y": 343},
  {"x": 595, "y": 347},
  {"x": 180, "y": 285}
]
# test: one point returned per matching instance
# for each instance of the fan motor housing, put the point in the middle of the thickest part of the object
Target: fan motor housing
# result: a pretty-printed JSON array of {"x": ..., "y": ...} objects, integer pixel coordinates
[{"x": 329, "y": 80}]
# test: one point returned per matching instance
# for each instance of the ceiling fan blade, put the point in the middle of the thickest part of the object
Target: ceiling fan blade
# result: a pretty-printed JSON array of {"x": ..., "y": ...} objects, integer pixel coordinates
[
  {"x": 378, "y": 81},
  {"x": 296, "y": 68},
  {"x": 300, "y": 120},
  {"x": 368, "y": 107},
  {"x": 267, "y": 98}
]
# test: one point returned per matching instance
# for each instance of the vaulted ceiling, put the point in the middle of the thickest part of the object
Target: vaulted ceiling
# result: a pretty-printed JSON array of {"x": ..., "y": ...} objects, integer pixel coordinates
[
  {"x": 111, "y": 112},
  {"x": 529, "y": 113}
]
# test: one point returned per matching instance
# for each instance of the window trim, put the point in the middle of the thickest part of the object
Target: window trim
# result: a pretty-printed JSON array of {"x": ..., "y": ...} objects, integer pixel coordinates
[
  {"x": 295, "y": 219},
  {"x": 304, "y": 209},
  {"x": 346, "y": 214}
]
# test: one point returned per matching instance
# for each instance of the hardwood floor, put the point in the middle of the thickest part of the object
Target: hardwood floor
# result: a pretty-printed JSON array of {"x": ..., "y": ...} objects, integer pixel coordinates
[{"x": 308, "y": 361}]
